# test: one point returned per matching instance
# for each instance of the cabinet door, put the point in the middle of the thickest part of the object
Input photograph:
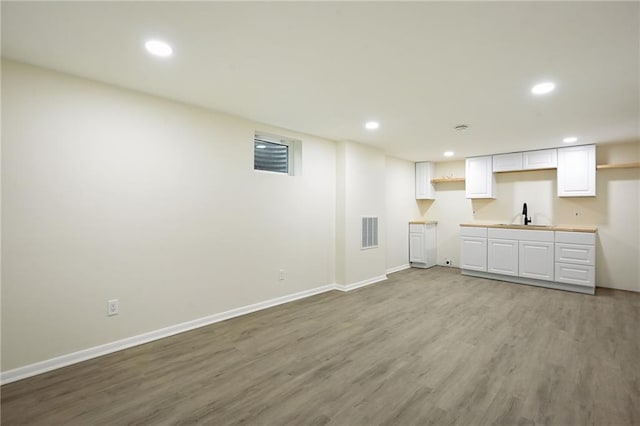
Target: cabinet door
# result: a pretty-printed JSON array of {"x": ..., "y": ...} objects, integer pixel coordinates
[
  {"x": 479, "y": 179},
  {"x": 473, "y": 253},
  {"x": 502, "y": 256},
  {"x": 424, "y": 188},
  {"x": 430, "y": 244},
  {"x": 536, "y": 260},
  {"x": 507, "y": 162},
  {"x": 417, "y": 247},
  {"x": 541, "y": 159},
  {"x": 577, "y": 171}
]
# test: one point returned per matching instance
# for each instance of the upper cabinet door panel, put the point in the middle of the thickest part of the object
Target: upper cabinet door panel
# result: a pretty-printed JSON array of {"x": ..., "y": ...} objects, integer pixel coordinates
[
  {"x": 542, "y": 159},
  {"x": 577, "y": 171},
  {"x": 424, "y": 188},
  {"x": 507, "y": 162},
  {"x": 479, "y": 179}
]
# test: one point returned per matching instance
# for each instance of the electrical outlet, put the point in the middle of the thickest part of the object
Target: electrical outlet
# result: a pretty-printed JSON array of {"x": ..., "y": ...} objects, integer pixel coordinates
[
  {"x": 112, "y": 307},
  {"x": 281, "y": 275}
]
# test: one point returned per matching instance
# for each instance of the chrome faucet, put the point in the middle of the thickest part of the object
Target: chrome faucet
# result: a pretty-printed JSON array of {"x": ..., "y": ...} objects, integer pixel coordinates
[{"x": 527, "y": 220}]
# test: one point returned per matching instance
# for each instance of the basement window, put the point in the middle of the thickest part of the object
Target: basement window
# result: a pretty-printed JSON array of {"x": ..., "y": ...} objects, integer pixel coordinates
[{"x": 275, "y": 154}]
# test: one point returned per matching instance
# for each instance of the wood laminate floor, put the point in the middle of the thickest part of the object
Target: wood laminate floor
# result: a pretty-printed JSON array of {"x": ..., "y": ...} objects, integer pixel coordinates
[{"x": 425, "y": 347}]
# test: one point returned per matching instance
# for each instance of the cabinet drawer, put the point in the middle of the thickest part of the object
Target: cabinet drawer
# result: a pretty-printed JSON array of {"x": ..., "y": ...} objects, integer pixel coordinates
[
  {"x": 576, "y": 237},
  {"x": 520, "y": 234},
  {"x": 576, "y": 254},
  {"x": 575, "y": 274},
  {"x": 472, "y": 231}
]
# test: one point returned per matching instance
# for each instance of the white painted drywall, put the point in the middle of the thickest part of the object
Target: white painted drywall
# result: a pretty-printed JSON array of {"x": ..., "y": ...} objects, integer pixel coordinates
[
  {"x": 401, "y": 208},
  {"x": 361, "y": 182},
  {"x": 109, "y": 193}
]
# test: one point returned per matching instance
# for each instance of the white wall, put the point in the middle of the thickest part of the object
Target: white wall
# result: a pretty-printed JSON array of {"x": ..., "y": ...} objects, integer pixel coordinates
[
  {"x": 361, "y": 181},
  {"x": 401, "y": 207},
  {"x": 108, "y": 193},
  {"x": 615, "y": 211}
]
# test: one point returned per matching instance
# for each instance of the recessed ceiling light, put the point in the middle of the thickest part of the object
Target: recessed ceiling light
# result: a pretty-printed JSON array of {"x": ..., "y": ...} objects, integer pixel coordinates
[
  {"x": 569, "y": 139},
  {"x": 372, "y": 125},
  {"x": 261, "y": 146},
  {"x": 543, "y": 88},
  {"x": 158, "y": 48},
  {"x": 448, "y": 153}
]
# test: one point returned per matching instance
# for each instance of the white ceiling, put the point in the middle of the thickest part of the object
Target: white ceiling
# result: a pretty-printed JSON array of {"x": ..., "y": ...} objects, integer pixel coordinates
[{"x": 419, "y": 68}]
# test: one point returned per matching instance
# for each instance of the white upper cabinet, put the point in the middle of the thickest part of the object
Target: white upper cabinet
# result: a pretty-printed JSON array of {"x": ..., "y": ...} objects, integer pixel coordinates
[
  {"x": 541, "y": 159},
  {"x": 424, "y": 187},
  {"x": 577, "y": 171},
  {"x": 479, "y": 179},
  {"x": 507, "y": 162}
]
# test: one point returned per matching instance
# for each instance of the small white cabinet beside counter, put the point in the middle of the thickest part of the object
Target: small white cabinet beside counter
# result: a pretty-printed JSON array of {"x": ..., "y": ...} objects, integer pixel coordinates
[
  {"x": 544, "y": 257},
  {"x": 422, "y": 244}
]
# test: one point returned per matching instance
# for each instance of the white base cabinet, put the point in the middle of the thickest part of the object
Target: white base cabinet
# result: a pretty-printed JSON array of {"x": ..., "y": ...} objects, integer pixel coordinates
[
  {"x": 473, "y": 249},
  {"x": 422, "y": 245},
  {"x": 554, "y": 259},
  {"x": 575, "y": 259},
  {"x": 536, "y": 260},
  {"x": 502, "y": 256}
]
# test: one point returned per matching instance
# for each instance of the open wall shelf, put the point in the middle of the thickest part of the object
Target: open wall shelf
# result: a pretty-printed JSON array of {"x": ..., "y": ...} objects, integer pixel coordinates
[
  {"x": 445, "y": 180},
  {"x": 618, "y": 166}
]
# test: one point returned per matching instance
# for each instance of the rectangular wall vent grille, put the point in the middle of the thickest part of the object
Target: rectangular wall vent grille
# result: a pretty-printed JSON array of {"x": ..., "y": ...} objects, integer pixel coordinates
[{"x": 369, "y": 232}]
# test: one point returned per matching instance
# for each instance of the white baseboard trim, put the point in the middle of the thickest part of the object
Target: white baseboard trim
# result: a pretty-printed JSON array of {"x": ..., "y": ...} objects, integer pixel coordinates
[
  {"x": 398, "y": 268},
  {"x": 100, "y": 350},
  {"x": 369, "y": 281},
  {"x": 96, "y": 351}
]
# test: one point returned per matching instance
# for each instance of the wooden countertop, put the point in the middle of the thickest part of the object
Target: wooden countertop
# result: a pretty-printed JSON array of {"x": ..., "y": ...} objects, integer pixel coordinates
[
  {"x": 565, "y": 228},
  {"x": 422, "y": 222}
]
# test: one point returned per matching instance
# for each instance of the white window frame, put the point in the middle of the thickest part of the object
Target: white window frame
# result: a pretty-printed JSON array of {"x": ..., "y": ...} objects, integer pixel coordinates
[{"x": 292, "y": 151}]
